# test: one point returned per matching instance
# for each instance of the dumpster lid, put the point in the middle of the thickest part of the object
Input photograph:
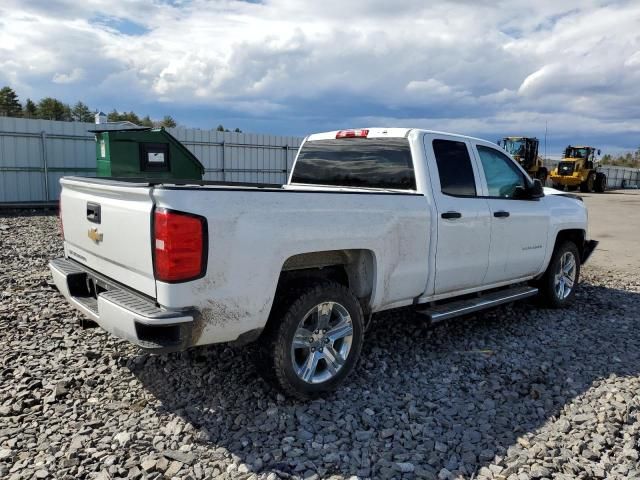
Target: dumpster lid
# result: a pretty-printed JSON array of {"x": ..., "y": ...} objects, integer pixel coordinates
[{"x": 173, "y": 140}]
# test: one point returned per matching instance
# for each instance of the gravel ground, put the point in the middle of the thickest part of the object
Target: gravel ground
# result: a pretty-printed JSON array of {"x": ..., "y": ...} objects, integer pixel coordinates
[{"x": 517, "y": 393}]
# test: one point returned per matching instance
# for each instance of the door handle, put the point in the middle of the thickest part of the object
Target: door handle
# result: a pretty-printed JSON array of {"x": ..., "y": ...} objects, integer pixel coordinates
[
  {"x": 93, "y": 212},
  {"x": 450, "y": 215},
  {"x": 501, "y": 214}
]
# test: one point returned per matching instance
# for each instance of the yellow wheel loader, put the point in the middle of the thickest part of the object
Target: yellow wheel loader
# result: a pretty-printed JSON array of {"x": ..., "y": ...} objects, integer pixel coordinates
[
  {"x": 525, "y": 151},
  {"x": 578, "y": 169}
]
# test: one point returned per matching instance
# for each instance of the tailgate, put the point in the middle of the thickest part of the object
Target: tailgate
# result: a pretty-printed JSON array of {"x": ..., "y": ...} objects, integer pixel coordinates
[{"x": 107, "y": 227}]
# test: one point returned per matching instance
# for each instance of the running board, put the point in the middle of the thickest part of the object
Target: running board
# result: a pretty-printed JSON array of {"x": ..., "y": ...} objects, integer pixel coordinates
[{"x": 455, "y": 308}]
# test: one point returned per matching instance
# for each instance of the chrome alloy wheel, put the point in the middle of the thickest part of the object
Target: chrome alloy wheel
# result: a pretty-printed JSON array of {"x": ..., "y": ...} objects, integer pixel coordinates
[
  {"x": 565, "y": 276},
  {"x": 322, "y": 342}
]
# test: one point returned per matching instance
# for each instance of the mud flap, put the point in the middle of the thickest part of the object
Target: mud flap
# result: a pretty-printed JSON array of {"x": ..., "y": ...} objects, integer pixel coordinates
[{"x": 587, "y": 250}]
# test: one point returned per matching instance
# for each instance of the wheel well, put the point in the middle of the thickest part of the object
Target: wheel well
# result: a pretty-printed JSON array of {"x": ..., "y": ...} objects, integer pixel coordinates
[
  {"x": 576, "y": 236},
  {"x": 352, "y": 268}
]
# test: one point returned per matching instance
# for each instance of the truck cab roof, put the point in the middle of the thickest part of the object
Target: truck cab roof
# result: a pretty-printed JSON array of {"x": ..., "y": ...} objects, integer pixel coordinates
[{"x": 382, "y": 132}]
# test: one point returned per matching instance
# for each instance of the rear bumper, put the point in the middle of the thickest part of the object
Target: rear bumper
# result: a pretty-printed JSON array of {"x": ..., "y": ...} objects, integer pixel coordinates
[
  {"x": 121, "y": 312},
  {"x": 587, "y": 250}
]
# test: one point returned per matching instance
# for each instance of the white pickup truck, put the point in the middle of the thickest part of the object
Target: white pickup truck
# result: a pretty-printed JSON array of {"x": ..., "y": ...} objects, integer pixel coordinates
[{"x": 370, "y": 220}]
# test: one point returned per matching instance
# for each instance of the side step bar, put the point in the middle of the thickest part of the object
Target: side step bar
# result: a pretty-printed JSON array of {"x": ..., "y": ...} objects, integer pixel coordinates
[{"x": 455, "y": 308}]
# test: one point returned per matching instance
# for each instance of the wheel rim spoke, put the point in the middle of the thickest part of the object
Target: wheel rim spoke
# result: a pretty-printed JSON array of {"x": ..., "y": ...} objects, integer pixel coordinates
[
  {"x": 324, "y": 315},
  {"x": 568, "y": 281},
  {"x": 302, "y": 338},
  {"x": 343, "y": 329},
  {"x": 309, "y": 368},
  {"x": 569, "y": 264},
  {"x": 333, "y": 359}
]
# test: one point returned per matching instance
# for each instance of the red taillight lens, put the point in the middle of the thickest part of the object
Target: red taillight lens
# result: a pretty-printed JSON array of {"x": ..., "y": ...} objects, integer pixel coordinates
[
  {"x": 353, "y": 133},
  {"x": 179, "y": 246}
]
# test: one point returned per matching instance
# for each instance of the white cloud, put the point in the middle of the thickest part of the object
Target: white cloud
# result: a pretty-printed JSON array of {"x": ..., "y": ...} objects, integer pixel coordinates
[
  {"x": 71, "y": 77},
  {"x": 465, "y": 64}
]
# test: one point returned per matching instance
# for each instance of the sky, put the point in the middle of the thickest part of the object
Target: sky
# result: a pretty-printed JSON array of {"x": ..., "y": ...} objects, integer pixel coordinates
[{"x": 292, "y": 67}]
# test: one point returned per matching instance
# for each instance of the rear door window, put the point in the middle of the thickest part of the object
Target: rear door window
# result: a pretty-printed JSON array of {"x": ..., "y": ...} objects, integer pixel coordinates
[
  {"x": 454, "y": 168},
  {"x": 356, "y": 162}
]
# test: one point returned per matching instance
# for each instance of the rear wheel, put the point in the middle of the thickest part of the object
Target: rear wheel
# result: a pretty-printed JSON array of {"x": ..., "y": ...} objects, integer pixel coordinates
[
  {"x": 542, "y": 176},
  {"x": 557, "y": 287},
  {"x": 315, "y": 340},
  {"x": 600, "y": 183}
]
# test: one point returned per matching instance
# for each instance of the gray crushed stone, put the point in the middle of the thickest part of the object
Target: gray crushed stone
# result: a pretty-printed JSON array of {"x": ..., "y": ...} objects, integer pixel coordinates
[{"x": 516, "y": 393}]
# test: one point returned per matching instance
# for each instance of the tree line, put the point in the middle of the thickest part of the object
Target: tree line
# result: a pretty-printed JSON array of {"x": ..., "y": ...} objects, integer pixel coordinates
[
  {"x": 627, "y": 160},
  {"x": 50, "y": 108}
]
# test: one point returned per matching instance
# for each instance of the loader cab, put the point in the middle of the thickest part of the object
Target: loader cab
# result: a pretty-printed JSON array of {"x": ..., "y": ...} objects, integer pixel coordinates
[
  {"x": 581, "y": 158},
  {"x": 523, "y": 149}
]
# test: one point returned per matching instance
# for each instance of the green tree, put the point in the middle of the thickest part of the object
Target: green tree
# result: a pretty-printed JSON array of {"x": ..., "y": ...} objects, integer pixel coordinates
[
  {"x": 146, "y": 121},
  {"x": 220, "y": 128},
  {"x": 53, "y": 109},
  {"x": 9, "y": 103},
  {"x": 30, "y": 109},
  {"x": 81, "y": 113},
  {"x": 168, "y": 122},
  {"x": 113, "y": 116},
  {"x": 237, "y": 130}
]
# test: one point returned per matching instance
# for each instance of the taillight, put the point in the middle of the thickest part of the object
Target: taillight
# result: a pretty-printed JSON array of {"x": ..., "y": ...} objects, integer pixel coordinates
[
  {"x": 362, "y": 133},
  {"x": 180, "y": 245}
]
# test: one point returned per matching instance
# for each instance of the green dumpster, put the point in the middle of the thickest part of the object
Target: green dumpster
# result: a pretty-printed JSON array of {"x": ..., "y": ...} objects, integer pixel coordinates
[{"x": 144, "y": 152}]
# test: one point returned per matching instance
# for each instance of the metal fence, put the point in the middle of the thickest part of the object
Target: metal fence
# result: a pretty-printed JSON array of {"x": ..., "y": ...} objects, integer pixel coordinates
[
  {"x": 621, "y": 177},
  {"x": 35, "y": 154}
]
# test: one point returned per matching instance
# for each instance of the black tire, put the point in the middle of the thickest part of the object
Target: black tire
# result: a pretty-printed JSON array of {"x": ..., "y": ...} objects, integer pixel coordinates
[
  {"x": 600, "y": 184},
  {"x": 588, "y": 185},
  {"x": 276, "y": 343},
  {"x": 558, "y": 186},
  {"x": 548, "y": 294},
  {"x": 542, "y": 176}
]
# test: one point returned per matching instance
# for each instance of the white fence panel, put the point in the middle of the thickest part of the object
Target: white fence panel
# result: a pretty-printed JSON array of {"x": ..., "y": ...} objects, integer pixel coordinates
[
  {"x": 35, "y": 154},
  {"x": 621, "y": 177}
]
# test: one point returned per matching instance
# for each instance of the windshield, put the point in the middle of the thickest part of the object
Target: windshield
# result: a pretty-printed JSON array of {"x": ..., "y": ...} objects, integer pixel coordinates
[
  {"x": 573, "y": 152},
  {"x": 514, "y": 147}
]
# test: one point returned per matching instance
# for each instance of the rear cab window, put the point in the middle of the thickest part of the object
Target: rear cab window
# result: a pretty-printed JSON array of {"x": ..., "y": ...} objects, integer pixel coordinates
[
  {"x": 383, "y": 163},
  {"x": 454, "y": 168}
]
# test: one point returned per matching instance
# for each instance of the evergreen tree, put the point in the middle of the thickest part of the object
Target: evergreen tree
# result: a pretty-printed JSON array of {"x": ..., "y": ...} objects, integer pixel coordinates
[
  {"x": 168, "y": 122},
  {"x": 146, "y": 121},
  {"x": 30, "y": 109},
  {"x": 113, "y": 116},
  {"x": 81, "y": 113},
  {"x": 53, "y": 109},
  {"x": 9, "y": 103}
]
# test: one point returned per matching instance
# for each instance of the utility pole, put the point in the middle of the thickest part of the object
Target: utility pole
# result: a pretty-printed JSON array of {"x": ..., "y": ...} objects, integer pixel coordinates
[{"x": 546, "y": 123}]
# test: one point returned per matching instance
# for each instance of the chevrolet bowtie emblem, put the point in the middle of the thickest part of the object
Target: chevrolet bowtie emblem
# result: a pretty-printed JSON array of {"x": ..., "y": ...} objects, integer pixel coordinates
[{"x": 94, "y": 235}]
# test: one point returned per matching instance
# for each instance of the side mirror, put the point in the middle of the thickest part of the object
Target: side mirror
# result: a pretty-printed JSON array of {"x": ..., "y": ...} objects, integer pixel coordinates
[{"x": 536, "y": 189}]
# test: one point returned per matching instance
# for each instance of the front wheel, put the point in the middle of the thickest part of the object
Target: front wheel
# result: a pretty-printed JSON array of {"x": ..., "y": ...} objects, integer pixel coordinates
[
  {"x": 315, "y": 340},
  {"x": 557, "y": 287},
  {"x": 587, "y": 185}
]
